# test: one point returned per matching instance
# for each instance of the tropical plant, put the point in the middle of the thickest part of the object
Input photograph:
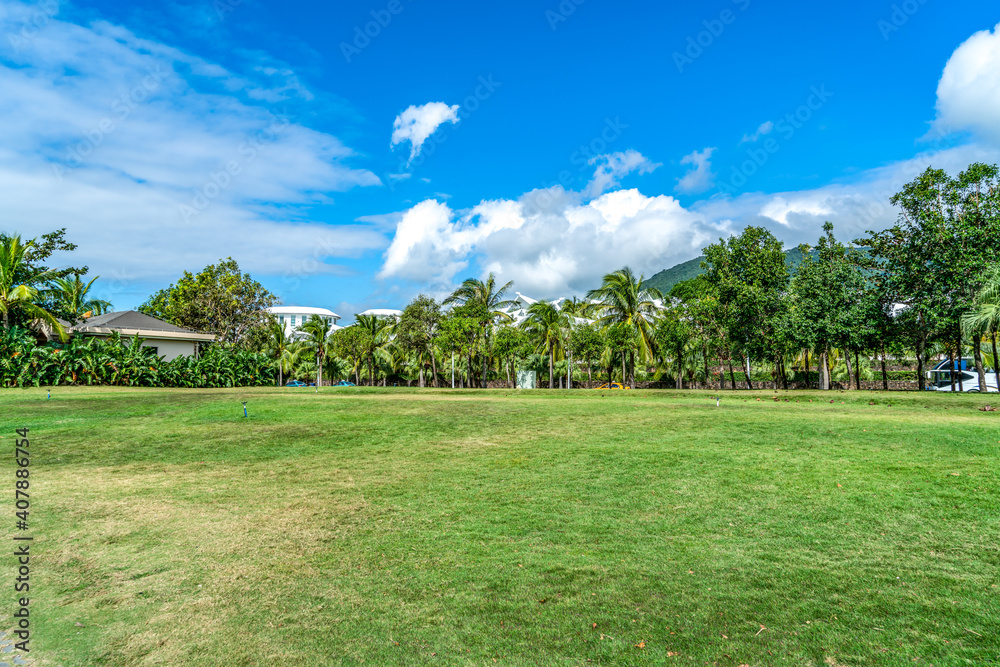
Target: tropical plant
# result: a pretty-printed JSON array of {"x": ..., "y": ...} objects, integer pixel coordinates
[
  {"x": 23, "y": 296},
  {"x": 317, "y": 330},
  {"x": 545, "y": 325},
  {"x": 376, "y": 336},
  {"x": 72, "y": 299},
  {"x": 487, "y": 300},
  {"x": 985, "y": 316},
  {"x": 623, "y": 299}
]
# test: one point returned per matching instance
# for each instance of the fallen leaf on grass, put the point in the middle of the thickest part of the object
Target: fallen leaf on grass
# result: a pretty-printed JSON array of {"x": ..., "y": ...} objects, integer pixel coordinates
[{"x": 641, "y": 645}]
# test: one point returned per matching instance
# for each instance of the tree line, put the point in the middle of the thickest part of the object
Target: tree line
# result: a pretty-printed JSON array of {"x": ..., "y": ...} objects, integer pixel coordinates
[{"x": 875, "y": 309}]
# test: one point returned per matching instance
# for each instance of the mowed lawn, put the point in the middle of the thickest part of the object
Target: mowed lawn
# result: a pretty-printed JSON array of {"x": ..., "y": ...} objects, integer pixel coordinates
[{"x": 406, "y": 527}]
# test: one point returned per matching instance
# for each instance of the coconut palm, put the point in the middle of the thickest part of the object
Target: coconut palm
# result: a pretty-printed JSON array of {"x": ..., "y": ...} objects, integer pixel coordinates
[
  {"x": 72, "y": 298},
  {"x": 489, "y": 302},
  {"x": 545, "y": 324},
  {"x": 624, "y": 299},
  {"x": 317, "y": 330},
  {"x": 377, "y": 335},
  {"x": 23, "y": 297},
  {"x": 572, "y": 309},
  {"x": 278, "y": 344},
  {"x": 985, "y": 316}
]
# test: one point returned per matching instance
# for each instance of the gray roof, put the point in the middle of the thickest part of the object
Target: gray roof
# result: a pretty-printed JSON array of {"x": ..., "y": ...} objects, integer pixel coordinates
[{"x": 129, "y": 319}]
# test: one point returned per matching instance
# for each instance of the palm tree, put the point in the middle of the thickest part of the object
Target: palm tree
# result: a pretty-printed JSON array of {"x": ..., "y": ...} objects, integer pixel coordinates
[
  {"x": 545, "y": 324},
  {"x": 317, "y": 330},
  {"x": 278, "y": 345},
  {"x": 572, "y": 309},
  {"x": 624, "y": 299},
  {"x": 487, "y": 300},
  {"x": 72, "y": 298},
  {"x": 23, "y": 297},
  {"x": 985, "y": 318},
  {"x": 378, "y": 334}
]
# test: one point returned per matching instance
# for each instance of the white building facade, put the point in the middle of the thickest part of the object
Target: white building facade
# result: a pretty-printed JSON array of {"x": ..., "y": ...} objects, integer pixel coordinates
[{"x": 293, "y": 317}]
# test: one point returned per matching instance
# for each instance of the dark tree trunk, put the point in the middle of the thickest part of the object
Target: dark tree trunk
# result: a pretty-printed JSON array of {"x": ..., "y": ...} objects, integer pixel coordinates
[
  {"x": 885, "y": 371},
  {"x": 732, "y": 373},
  {"x": 857, "y": 369},
  {"x": 434, "y": 369},
  {"x": 847, "y": 361},
  {"x": 951, "y": 369},
  {"x": 809, "y": 369},
  {"x": 704, "y": 359},
  {"x": 485, "y": 372},
  {"x": 552, "y": 375},
  {"x": 921, "y": 385},
  {"x": 631, "y": 369},
  {"x": 977, "y": 354},
  {"x": 746, "y": 361},
  {"x": 784, "y": 375},
  {"x": 958, "y": 351},
  {"x": 680, "y": 369},
  {"x": 569, "y": 371}
]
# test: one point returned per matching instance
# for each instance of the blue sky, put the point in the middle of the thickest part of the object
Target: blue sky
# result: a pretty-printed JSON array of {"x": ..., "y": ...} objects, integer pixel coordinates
[{"x": 571, "y": 139}]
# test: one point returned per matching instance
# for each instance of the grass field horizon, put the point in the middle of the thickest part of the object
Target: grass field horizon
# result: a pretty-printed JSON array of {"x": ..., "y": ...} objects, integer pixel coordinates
[{"x": 440, "y": 527}]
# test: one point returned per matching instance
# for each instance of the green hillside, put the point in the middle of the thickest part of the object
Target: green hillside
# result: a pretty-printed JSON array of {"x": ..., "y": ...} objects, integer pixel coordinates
[{"x": 665, "y": 280}]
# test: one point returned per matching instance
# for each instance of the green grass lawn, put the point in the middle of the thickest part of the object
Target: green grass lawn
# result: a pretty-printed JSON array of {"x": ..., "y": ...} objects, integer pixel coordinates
[{"x": 397, "y": 527}]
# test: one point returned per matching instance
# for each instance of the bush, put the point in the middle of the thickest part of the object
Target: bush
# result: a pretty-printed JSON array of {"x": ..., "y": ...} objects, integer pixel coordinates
[{"x": 120, "y": 362}]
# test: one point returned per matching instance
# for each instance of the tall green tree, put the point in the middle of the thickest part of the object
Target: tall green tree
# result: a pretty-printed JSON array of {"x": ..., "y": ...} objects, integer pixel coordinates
[
  {"x": 220, "y": 300},
  {"x": 825, "y": 294},
  {"x": 674, "y": 333},
  {"x": 417, "y": 332},
  {"x": 624, "y": 299},
  {"x": 317, "y": 331},
  {"x": 750, "y": 278},
  {"x": 490, "y": 302},
  {"x": 278, "y": 344},
  {"x": 461, "y": 332},
  {"x": 585, "y": 343},
  {"x": 376, "y": 337},
  {"x": 510, "y": 344},
  {"x": 545, "y": 325}
]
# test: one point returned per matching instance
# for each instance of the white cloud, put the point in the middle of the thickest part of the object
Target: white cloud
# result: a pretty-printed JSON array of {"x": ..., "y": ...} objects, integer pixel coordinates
[
  {"x": 613, "y": 167},
  {"x": 555, "y": 242},
  {"x": 416, "y": 124},
  {"x": 854, "y": 207},
  {"x": 764, "y": 130},
  {"x": 968, "y": 95},
  {"x": 551, "y": 241},
  {"x": 112, "y": 135},
  {"x": 700, "y": 178}
]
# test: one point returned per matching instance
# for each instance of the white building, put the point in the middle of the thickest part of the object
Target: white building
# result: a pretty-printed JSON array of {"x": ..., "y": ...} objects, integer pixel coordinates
[
  {"x": 383, "y": 312},
  {"x": 293, "y": 317},
  {"x": 165, "y": 339}
]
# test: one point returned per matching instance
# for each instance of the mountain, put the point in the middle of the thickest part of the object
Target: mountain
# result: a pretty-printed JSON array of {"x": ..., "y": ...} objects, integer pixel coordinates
[{"x": 665, "y": 280}]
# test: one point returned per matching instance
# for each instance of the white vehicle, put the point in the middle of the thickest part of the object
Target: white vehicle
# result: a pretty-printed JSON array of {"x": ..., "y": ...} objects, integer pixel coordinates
[{"x": 966, "y": 379}]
